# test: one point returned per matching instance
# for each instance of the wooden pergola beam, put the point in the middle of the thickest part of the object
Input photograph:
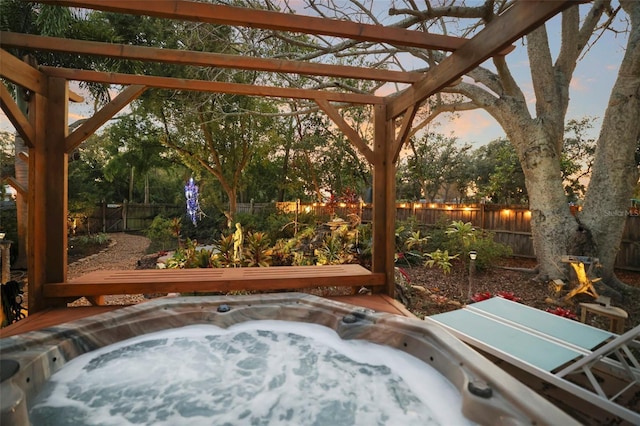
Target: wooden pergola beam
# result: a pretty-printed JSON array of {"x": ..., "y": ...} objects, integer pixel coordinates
[
  {"x": 405, "y": 131},
  {"x": 271, "y": 20},
  {"x": 188, "y": 57},
  {"x": 384, "y": 199},
  {"x": 105, "y": 114},
  {"x": 12, "y": 182},
  {"x": 208, "y": 86},
  {"x": 349, "y": 131},
  {"x": 16, "y": 117},
  {"x": 21, "y": 73},
  {"x": 517, "y": 21},
  {"x": 73, "y": 96}
]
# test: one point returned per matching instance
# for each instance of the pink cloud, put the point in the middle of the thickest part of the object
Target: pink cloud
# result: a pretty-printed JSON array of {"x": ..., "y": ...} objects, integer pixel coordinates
[
  {"x": 581, "y": 84},
  {"x": 471, "y": 126}
]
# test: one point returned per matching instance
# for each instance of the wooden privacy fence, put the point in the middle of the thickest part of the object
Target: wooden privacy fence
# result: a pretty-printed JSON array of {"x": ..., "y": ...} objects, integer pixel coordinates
[
  {"x": 511, "y": 225},
  {"x": 119, "y": 217}
]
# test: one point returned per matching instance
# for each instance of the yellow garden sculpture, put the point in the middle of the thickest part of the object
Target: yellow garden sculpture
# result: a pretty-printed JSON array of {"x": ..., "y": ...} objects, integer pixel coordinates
[{"x": 237, "y": 243}]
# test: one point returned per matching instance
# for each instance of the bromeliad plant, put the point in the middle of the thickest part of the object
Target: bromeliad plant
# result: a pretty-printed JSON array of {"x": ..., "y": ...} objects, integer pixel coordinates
[
  {"x": 566, "y": 313},
  {"x": 334, "y": 251},
  {"x": 306, "y": 248},
  {"x": 223, "y": 254},
  {"x": 479, "y": 297},
  {"x": 190, "y": 256},
  {"x": 257, "y": 252}
]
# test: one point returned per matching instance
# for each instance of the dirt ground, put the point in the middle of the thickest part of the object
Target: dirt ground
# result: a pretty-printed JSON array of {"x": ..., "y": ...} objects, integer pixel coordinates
[{"x": 124, "y": 251}]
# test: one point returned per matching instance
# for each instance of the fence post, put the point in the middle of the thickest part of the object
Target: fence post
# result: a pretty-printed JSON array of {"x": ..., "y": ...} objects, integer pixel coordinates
[
  {"x": 125, "y": 209},
  {"x": 297, "y": 215},
  {"x": 104, "y": 216}
]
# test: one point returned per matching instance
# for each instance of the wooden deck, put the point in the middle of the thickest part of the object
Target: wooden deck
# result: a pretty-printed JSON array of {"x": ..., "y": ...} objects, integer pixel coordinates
[
  {"x": 223, "y": 280},
  {"x": 52, "y": 317},
  {"x": 215, "y": 280}
]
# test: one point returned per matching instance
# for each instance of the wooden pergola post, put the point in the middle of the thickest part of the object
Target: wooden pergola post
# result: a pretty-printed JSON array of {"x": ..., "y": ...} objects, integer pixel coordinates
[
  {"x": 48, "y": 186},
  {"x": 384, "y": 199}
]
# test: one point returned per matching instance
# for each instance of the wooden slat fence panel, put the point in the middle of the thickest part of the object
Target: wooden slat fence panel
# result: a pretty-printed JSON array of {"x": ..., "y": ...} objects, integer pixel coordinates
[
  {"x": 118, "y": 217},
  {"x": 629, "y": 254}
]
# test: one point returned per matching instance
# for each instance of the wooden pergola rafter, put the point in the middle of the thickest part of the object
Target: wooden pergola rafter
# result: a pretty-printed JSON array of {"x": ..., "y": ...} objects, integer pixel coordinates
[{"x": 45, "y": 127}]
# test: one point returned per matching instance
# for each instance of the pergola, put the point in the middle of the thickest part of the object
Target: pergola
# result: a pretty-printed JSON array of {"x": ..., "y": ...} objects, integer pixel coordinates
[{"x": 45, "y": 127}]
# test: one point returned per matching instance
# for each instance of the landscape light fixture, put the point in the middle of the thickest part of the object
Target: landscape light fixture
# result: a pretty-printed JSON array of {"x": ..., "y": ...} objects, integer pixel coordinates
[{"x": 473, "y": 254}]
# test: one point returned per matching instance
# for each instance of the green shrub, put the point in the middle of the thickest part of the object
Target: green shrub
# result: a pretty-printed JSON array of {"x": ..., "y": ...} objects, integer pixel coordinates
[
  {"x": 460, "y": 235},
  {"x": 437, "y": 234},
  {"x": 161, "y": 233},
  {"x": 207, "y": 229},
  {"x": 87, "y": 244},
  {"x": 410, "y": 243},
  {"x": 464, "y": 237},
  {"x": 441, "y": 259},
  {"x": 281, "y": 225},
  {"x": 334, "y": 251},
  {"x": 190, "y": 256},
  {"x": 489, "y": 251}
]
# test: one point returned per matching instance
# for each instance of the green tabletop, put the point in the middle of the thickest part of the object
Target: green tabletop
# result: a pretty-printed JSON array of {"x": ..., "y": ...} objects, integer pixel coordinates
[
  {"x": 563, "y": 329},
  {"x": 505, "y": 341}
]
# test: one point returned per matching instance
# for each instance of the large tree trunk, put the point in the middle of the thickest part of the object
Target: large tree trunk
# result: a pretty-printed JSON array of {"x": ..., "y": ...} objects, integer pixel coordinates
[
  {"x": 233, "y": 207},
  {"x": 551, "y": 221},
  {"x": 615, "y": 172}
]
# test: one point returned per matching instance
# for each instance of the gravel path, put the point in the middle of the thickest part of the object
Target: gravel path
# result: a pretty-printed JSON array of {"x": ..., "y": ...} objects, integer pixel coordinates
[{"x": 123, "y": 253}]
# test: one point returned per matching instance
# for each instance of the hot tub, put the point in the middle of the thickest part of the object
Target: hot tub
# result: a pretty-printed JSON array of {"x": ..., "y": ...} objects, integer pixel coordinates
[{"x": 487, "y": 395}]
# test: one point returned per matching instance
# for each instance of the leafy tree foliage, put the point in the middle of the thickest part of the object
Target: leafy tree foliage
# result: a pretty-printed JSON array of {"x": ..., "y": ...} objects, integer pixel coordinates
[
  {"x": 6, "y": 154},
  {"x": 577, "y": 157},
  {"x": 498, "y": 173},
  {"x": 438, "y": 167},
  {"x": 101, "y": 168},
  {"x": 135, "y": 150}
]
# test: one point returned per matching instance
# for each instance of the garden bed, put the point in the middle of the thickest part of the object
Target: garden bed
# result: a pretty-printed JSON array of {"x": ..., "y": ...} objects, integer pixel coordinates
[{"x": 435, "y": 292}]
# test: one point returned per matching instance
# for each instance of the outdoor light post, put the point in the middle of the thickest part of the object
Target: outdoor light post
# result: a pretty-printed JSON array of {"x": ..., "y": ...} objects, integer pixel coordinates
[{"x": 472, "y": 272}]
